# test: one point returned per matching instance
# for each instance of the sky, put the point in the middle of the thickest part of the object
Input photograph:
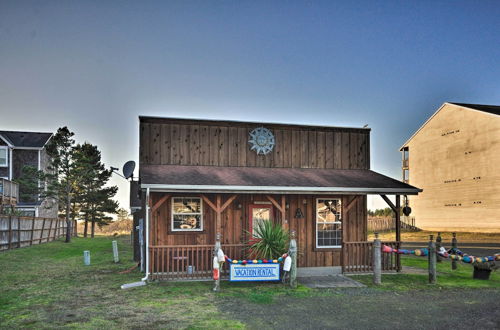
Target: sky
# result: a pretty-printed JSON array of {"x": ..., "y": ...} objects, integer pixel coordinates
[{"x": 95, "y": 66}]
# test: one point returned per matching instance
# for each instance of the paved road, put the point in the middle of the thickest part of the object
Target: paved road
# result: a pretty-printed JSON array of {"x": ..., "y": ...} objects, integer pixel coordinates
[{"x": 476, "y": 249}]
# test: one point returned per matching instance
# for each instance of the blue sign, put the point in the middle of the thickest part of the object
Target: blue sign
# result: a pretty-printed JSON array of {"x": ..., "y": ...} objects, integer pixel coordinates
[{"x": 254, "y": 272}]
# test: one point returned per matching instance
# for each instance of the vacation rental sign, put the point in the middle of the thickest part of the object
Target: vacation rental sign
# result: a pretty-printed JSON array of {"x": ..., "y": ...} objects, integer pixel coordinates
[{"x": 254, "y": 272}]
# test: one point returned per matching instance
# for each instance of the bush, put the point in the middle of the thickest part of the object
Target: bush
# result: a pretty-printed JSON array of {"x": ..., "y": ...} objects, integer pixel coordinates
[{"x": 269, "y": 242}]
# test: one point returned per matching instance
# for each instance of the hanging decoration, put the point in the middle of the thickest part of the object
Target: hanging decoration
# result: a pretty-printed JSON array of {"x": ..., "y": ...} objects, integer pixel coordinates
[
  {"x": 261, "y": 140},
  {"x": 256, "y": 261},
  {"x": 453, "y": 254}
]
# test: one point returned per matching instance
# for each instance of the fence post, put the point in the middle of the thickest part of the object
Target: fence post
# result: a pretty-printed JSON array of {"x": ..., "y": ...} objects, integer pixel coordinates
[
  {"x": 438, "y": 246},
  {"x": 50, "y": 229},
  {"x": 432, "y": 260},
  {"x": 454, "y": 247},
  {"x": 216, "y": 251},
  {"x": 292, "y": 250},
  {"x": 33, "y": 221},
  {"x": 10, "y": 232},
  {"x": 377, "y": 261},
  {"x": 18, "y": 232},
  {"x": 41, "y": 232},
  {"x": 115, "y": 251}
]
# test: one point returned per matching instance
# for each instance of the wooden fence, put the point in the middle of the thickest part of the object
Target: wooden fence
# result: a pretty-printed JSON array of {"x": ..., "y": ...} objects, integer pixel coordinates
[
  {"x": 357, "y": 257},
  {"x": 388, "y": 224},
  {"x": 189, "y": 262},
  {"x": 17, "y": 232}
]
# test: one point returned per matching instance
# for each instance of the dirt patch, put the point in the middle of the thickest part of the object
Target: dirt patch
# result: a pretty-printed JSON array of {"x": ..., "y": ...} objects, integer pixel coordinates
[{"x": 367, "y": 308}]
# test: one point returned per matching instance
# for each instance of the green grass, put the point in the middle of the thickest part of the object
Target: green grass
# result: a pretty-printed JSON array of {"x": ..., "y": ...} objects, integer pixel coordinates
[
  {"x": 446, "y": 278},
  {"x": 47, "y": 286}
]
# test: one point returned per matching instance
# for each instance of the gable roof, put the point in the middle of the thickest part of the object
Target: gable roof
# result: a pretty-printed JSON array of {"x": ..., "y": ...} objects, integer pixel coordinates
[
  {"x": 25, "y": 139},
  {"x": 494, "y": 109},
  {"x": 491, "y": 109}
]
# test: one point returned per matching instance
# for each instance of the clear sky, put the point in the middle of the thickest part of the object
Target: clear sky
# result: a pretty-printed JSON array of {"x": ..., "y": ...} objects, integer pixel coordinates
[{"x": 96, "y": 65}]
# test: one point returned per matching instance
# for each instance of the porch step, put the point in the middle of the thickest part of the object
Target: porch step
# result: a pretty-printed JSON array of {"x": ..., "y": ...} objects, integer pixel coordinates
[{"x": 318, "y": 271}]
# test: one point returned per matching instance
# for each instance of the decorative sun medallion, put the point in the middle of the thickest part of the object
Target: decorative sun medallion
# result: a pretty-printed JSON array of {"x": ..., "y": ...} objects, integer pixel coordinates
[{"x": 261, "y": 140}]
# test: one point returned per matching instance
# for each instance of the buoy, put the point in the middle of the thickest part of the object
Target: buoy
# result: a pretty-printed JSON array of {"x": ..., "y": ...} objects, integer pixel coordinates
[
  {"x": 220, "y": 255},
  {"x": 216, "y": 263},
  {"x": 288, "y": 264},
  {"x": 216, "y": 274},
  {"x": 418, "y": 252},
  {"x": 275, "y": 261},
  {"x": 254, "y": 261},
  {"x": 235, "y": 261},
  {"x": 387, "y": 249}
]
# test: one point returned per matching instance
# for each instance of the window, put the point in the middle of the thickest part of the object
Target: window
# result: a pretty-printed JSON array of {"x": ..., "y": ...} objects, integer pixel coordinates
[
  {"x": 259, "y": 214},
  {"x": 26, "y": 212},
  {"x": 4, "y": 157},
  {"x": 187, "y": 214},
  {"x": 328, "y": 223}
]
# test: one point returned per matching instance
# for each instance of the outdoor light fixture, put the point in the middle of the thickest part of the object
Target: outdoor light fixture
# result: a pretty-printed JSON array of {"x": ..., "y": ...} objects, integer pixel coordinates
[
  {"x": 287, "y": 205},
  {"x": 299, "y": 214},
  {"x": 304, "y": 202}
]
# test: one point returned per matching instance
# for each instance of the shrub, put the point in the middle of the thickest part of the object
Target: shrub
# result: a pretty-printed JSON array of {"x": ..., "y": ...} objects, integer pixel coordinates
[{"x": 270, "y": 241}]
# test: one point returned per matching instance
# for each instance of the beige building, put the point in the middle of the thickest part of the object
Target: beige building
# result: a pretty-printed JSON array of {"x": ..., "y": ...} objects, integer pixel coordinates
[{"x": 455, "y": 158}]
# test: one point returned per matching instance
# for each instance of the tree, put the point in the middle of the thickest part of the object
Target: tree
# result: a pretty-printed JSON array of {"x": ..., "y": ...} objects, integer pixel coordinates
[
  {"x": 122, "y": 214},
  {"x": 62, "y": 178},
  {"x": 94, "y": 198},
  {"x": 29, "y": 183}
]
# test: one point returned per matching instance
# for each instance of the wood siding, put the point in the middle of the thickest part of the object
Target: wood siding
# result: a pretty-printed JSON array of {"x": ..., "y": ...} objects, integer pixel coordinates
[
  {"x": 235, "y": 223},
  {"x": 189, "y": 142}
]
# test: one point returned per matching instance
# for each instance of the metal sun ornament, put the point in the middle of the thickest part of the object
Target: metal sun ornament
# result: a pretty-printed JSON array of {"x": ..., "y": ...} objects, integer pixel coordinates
[{"x": 261, "y": 140}]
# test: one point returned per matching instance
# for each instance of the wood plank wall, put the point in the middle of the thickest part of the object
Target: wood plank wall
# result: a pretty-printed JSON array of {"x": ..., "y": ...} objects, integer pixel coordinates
[
  {"x": 235, "y": 223},
  {"x": 186, "y": 142}
]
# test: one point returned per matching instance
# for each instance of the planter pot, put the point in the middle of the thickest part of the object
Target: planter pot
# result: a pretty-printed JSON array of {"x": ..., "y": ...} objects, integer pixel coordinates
[{"x": 481, "y": 274}]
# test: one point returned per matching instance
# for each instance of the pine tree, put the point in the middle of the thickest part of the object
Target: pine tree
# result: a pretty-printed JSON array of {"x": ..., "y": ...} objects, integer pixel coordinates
[
  {"x": 61, "y": 178},
  {"x": 94, "y": 199},
  {"x": 30, "y": 184}
]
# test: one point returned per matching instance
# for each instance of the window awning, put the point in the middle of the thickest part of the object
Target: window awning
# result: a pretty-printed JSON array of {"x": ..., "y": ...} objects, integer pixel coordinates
[{"x": 179, "y": 178}]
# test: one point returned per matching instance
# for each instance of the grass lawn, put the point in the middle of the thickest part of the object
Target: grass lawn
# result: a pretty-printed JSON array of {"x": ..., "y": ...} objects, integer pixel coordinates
[
  {"x": 446, "y": 278},
  {"x": 47, "y": 286}
]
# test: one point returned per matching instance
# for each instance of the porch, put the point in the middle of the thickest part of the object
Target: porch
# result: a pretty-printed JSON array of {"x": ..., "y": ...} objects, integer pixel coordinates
[{"x": 326, "y": 208}]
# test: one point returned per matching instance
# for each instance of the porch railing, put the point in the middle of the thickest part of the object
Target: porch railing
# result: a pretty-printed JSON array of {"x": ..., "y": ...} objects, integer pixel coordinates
[
  {"x": 357, "y": 257},
  {"x": 189, "y": 262}
]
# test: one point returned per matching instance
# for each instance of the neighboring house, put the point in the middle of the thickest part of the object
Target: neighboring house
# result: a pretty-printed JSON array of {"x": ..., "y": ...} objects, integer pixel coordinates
[
  {"x": 201, "y": 178},
  {"x": 18, "y": 149},
  {"x": 455, "y": 158}
]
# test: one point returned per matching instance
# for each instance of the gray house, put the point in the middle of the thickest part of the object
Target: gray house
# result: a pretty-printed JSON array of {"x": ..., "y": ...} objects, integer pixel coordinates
[{"x": 18, "y": 149}]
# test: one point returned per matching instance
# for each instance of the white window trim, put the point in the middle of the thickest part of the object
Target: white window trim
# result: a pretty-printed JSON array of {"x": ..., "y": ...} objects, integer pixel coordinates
[
  {"x": 200, "y": 214},
  {"x": 335, "y": 223},
  {"x": 6, "y": 156}
]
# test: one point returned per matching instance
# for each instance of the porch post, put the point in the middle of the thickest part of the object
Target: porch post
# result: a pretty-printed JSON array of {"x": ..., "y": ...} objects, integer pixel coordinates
[
  {"x": 398, "y": 230},
  {"x": 398, "y": 218}
]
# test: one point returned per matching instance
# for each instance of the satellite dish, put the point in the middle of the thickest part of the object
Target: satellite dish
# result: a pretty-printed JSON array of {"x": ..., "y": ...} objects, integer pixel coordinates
[{"x": 128, "y": 169}]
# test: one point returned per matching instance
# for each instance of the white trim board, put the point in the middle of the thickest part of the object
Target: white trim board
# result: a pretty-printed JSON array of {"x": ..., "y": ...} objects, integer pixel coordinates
[{"x": 277, "y": 189}]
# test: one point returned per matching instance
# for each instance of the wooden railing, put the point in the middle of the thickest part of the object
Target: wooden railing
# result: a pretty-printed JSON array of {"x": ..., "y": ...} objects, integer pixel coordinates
[
  {"x": 188, "y": 262},
  {"x": 9, "y": 192},
  {"x": 17, "y": 232},
  {"x": 357, "y": 257},
  {"x": 387, "y": 223}
]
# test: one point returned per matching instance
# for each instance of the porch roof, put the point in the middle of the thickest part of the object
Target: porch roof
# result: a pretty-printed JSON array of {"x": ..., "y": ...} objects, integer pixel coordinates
[{"x": 270, "y": 180}]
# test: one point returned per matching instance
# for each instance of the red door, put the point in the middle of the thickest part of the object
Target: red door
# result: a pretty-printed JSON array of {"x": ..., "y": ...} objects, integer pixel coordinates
[{"x": 258, "y": 213}]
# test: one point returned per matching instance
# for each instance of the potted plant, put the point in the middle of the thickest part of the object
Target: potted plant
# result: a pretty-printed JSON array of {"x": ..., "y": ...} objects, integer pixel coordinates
[{"x": 270, "y": 241}]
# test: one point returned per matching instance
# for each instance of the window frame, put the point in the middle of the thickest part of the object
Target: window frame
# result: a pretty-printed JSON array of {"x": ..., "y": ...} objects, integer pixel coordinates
[
  {"x": 323, "y": 247},
  {"x": 173, "y": 214},
  {"x": 6, "y": 148}
]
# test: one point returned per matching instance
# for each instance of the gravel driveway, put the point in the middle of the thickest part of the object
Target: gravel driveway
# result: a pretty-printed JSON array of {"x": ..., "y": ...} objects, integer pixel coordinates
[{"x": 367, "y": 308}]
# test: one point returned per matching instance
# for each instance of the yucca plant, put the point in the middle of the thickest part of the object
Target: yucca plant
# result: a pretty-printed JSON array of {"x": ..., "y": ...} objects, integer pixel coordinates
[{"x": 270, "y": 241}]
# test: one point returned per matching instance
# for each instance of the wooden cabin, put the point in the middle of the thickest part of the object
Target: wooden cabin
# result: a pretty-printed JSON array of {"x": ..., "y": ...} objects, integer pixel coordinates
[{"x": 200, "y": 178}]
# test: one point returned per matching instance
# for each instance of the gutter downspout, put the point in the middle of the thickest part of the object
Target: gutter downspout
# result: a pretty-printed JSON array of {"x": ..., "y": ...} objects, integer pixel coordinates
[{"x": 147, "y": 236}]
